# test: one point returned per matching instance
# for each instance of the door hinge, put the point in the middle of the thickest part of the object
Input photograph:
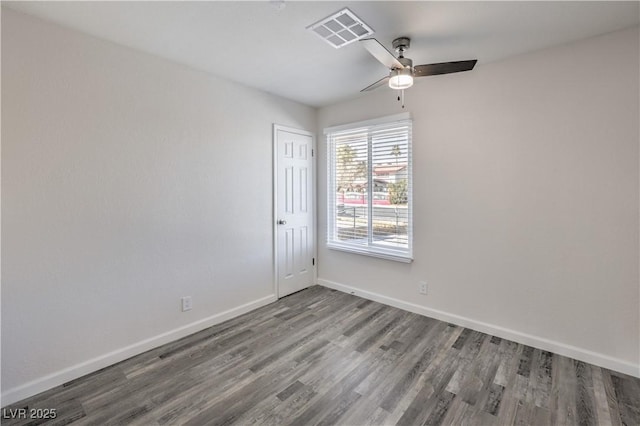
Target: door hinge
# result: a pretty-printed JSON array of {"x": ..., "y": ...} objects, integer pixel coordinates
[
  {"x": 313, "y": 261},
  {"x": 312, "y": 152}
]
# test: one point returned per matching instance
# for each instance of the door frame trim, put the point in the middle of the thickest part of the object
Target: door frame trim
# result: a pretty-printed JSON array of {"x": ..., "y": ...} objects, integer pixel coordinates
[{"x": 274, "y": 189}]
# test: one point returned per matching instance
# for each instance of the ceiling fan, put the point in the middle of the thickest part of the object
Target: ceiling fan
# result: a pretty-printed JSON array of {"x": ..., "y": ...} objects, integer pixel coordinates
[{"x": 401, "y": 69}]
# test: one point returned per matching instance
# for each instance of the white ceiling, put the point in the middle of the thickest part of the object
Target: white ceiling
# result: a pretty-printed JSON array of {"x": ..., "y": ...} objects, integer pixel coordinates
[{"x": 269, "y": 48}]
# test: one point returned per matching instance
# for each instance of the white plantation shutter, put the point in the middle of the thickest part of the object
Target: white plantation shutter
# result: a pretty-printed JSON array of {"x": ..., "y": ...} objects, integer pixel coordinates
[{"x": 369, "y": 188}]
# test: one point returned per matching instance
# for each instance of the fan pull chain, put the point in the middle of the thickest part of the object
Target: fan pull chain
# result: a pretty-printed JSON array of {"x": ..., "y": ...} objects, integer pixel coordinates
[{"x": 401, "y": 97}]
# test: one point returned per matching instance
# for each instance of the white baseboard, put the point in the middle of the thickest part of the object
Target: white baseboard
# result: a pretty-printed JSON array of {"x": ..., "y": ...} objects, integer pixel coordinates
[
  {"x": 60, "y": 377},
  {"x": 585, "y": 355}
]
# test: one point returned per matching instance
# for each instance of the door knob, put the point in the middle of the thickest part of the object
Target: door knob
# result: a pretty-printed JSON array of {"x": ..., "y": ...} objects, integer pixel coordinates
[{"x": 282, "y": 222}]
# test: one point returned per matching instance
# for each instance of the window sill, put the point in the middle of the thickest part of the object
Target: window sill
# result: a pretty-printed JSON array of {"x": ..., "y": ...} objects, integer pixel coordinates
[{"x": 404, "y": 258}]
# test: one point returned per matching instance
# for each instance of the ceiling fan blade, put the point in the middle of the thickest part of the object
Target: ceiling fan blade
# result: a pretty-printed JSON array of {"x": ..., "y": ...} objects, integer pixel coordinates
[
  {"x": 381, "y": 53},
  {"x": 443, "y": 68},
  {"x": 382, "y": 82}
]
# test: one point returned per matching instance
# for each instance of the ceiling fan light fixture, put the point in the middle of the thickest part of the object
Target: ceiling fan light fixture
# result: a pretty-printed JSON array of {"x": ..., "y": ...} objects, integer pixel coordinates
[{"x": 400, "y": 79}]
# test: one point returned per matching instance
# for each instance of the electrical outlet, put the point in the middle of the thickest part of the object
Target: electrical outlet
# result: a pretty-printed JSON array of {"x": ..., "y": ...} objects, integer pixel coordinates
[
  {"x": 422, "y": 287},
  {"x": 187, "y": 303}
]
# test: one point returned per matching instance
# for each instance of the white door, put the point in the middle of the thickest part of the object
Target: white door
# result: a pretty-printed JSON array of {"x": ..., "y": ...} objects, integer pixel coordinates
[{"x": 294, "y": 210}]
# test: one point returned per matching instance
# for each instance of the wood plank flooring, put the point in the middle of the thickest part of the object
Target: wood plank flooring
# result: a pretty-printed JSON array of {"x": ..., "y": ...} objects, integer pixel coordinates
[{"x": 322, "y": 357}]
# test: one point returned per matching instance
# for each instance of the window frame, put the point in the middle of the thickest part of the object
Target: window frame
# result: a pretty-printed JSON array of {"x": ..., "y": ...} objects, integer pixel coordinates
[{"x": 400, "y": 255}]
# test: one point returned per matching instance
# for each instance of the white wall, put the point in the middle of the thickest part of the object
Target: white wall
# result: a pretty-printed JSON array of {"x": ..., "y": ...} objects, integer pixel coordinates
[
  {"x": 526, "y": 200},
  {"x": 127, "y": 182}
]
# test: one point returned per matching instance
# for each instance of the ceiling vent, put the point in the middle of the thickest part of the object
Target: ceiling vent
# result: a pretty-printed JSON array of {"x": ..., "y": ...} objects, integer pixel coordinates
[{"x": 341, "y": 28}]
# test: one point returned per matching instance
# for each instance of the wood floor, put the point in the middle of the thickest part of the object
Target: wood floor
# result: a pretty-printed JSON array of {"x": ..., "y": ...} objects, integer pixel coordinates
[{"x": 325, "y": 357}]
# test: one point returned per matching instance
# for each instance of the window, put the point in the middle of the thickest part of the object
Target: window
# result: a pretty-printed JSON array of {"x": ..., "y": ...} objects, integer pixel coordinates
[{"x": 369, "y": 188}]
